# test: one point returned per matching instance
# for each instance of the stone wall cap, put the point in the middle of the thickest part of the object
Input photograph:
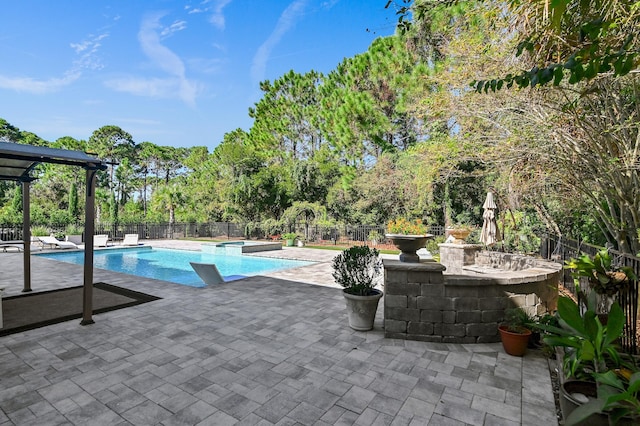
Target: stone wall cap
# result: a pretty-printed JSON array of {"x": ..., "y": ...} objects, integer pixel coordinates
[
  {"x": 457, "y": 245},
  {"x": 500, "y": 276},
  {"x": 423, "y": 265}
]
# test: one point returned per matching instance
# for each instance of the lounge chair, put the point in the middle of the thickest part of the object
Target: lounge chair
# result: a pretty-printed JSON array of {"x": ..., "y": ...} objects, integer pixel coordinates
[
  {"x": 130, "y": 240},
  {"x": 208, "y": 272},
  {"x": 52, "y": 242},
  {"x": 16, "y": 244},
  {"x": 100, "y": 240}
]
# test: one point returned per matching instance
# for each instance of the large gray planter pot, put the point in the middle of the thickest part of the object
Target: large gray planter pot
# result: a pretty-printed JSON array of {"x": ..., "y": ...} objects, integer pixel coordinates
[
  {"x": 362, "y": 310},
  {"x": 569, "y": 401},
  {"x": 76, "y": 239}
]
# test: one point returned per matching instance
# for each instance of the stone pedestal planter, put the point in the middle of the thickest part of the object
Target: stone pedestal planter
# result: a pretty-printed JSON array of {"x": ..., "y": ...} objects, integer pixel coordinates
[{"x": 409, "y": 245}]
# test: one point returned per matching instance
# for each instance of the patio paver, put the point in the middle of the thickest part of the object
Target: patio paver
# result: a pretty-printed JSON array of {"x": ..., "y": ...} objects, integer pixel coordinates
[{"x": 273, "y": 349}]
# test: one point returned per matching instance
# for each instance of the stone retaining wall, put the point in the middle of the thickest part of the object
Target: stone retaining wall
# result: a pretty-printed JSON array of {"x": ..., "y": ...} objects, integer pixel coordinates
[{"x": 422, "y": 303}]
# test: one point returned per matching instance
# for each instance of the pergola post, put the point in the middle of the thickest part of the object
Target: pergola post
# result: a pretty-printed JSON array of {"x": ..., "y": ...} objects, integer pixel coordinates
[
  {"x": 26, "y": 234},
  {"x": 17, "y": 161},
  {"x": 89, "y": 228}
]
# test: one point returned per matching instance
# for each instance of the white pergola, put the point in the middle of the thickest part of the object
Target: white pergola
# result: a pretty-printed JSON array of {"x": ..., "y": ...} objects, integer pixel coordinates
[{"x": 16, "y": 163}]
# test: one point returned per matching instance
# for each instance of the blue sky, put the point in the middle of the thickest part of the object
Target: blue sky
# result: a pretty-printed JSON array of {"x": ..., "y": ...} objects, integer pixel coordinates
[{"x": 180, "y": 73}]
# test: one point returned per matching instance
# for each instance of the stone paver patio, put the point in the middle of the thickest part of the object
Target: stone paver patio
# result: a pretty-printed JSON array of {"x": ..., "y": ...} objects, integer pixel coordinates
[{"x": 265, "y": 350}]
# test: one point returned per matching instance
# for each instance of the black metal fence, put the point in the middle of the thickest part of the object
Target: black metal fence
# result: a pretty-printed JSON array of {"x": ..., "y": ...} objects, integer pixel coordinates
[
  {"x": 340, "y": 234},
  {"x": 561, "y": 249}
]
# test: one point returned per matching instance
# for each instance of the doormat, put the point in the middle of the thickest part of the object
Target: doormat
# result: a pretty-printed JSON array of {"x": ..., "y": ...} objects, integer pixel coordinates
[{"x": 33, "y": 310}]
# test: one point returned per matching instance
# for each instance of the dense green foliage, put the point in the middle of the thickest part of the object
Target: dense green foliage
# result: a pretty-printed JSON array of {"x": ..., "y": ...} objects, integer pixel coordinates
[{"x": 398, "y": 132}]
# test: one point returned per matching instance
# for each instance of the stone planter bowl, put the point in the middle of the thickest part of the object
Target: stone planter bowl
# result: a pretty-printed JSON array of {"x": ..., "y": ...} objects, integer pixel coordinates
[
  {"x": 409, "y": 245},
  {"x": 459, "y": 234}
]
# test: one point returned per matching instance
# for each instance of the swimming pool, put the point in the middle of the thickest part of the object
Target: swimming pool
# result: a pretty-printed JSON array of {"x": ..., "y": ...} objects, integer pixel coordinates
[{"x": 173, "y": 265}]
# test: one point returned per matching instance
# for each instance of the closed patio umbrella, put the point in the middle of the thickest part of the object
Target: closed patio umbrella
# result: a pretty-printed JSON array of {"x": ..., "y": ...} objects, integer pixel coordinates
[{"x": 490, "y": 233}]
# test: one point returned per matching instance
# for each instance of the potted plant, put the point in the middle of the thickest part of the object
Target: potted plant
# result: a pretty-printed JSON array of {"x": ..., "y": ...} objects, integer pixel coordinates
[
  {"x": 603, "y": 278},
  {"x": 290, "y": 238},
  {"x": 356, "y": 270},
  {"x": 459, "y": 231},
  {"x": 618, "y": 393},
  {"x": 514, "y": 333},
  {"x": 589, "y": 352},
  {"x": 408, "y": 237}
]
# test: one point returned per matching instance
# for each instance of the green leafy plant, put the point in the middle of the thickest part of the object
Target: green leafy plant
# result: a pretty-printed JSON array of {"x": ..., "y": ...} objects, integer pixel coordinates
[
  {"x": 618, "y": 393},
  {"x": 289, "y": 236},
  {"x": 356, "y": 269},
  {"x": 589, "y": 345},
  {"x": 591, "y": 353},
  {"x": 73, "y": 230},
  {"x": 433, "y": 246},
  {"x": 603, "y": 277},
  {"x": 462, "y": 227},
  {"x": 375, "y": 236},
  {"x": 546, "y": 319},
  {"x": 406, "y": 227},
  {"x": 39, "y": 231},
  {"x": 517, "y": 320}
]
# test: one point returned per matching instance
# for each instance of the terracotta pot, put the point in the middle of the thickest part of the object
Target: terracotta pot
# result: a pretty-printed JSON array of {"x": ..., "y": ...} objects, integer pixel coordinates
[
  {"x": 459, "y": 234},
  {"x": 514, "y": 343}
]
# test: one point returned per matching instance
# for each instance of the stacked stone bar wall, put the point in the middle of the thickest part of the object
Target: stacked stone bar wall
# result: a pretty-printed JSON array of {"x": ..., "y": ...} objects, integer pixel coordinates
[{"x": 422, "y": 303}]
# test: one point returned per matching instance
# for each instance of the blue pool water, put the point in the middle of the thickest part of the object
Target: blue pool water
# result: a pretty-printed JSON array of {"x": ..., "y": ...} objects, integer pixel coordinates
[{"x": 173, "y": 265}]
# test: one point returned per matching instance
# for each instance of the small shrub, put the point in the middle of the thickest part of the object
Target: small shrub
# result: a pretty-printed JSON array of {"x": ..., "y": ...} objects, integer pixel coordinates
[
  {"x": 73, "y": 230},
  {"x": 356, "y": 269},
  {"x": 40, "y": 231}
]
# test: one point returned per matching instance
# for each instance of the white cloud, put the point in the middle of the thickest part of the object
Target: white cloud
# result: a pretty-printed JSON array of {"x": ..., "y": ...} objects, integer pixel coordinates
[
  {"x": 177, "y": 85},
  {"x": 31, "y": 85},
  {"x": 152, "y": 87},
  {"x": 87, "y": 58},
  {"x": 175, "y": 27},
  {"x": 87, "y": 51},
  {"x": 161, "y": 88},
  {"x": 328, "y": 4},
  {"x": 206, "y": 66},
  {"x": 217, "y": 18},
  {"x": 287, "y": 19}
]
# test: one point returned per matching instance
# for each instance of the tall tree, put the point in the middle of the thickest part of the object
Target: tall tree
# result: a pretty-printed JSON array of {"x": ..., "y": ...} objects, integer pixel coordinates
[
  {"x": 285, "y": 119},
  {"x": 578, "y": 39},
  {"x": 112, "y": 144},
  {"x": 74, "y": 210}
]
